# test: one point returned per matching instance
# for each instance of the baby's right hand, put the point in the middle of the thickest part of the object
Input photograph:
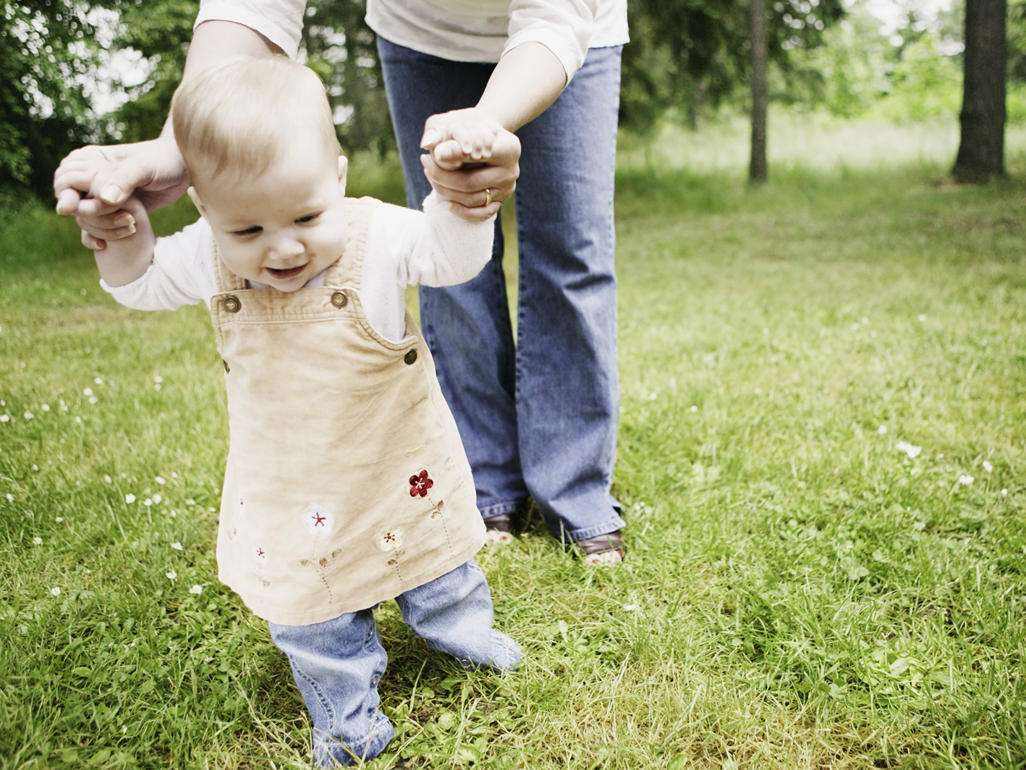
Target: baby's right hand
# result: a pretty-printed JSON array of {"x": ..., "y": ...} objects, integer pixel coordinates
[
  {"x": 469, "y": 137},
  {"x": 99, "y": 229}
]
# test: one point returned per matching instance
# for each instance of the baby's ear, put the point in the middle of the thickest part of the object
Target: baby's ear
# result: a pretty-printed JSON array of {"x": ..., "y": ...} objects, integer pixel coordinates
[
  {"x": 343, "y": 170},
  {"x": 194, "y": 197}
]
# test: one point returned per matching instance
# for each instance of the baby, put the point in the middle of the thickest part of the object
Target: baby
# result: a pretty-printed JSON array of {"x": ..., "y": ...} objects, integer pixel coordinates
[{"x": 346, "y": 481}]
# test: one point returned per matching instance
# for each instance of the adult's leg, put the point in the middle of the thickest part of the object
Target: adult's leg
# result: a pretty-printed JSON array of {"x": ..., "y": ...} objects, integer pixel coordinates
[
  {"x": 453, "y": 613},
  {"x": 467, "y": 327},
  {"x": 567, "y": 386},
  {"x": 337, "y": 665}
]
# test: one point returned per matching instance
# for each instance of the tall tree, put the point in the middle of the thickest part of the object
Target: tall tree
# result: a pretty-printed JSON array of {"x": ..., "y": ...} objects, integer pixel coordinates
[
  {"x": 760, "y": 96},
  {"x": 981, "y": 151}
]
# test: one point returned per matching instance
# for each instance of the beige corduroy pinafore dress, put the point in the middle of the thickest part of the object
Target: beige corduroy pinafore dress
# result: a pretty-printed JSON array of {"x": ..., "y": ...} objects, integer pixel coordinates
[{"x": 346, "y": 480}]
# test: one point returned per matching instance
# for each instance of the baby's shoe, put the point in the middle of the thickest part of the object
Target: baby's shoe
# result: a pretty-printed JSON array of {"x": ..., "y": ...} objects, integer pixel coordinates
[
  {"x": 603, "y": 550},
  {"x": 499, "y": 529}
]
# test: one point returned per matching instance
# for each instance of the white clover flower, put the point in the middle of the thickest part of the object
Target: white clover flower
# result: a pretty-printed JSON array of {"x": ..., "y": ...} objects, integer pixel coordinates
[
  {"x": 87, "y": 391},
  {"x": 965, "y": 479},
  {"x": 177, "y": 546},
  {"x": 28, "y": 415},
  {"x": 45, "y": 408},
  {"x": 921, "y": 317},
  {"x": 97, "y": 381},
  {"x": 93, "y": 399},
  {"x": 157, "y": 499},
  {"x": 882, "y": 430},
  {"x": 160, "y": 480},
  {"x": 107, "y": 479},
  {"x": 174, "y": 475},
  {"x": 35, "y": 467},
  {"x": 78, "y": 419},
  {"x": 148, "y": 502},
  {"x": 1004, "y": 493},
  {"x": 911, "y": 450},
  {"x": 158, "y": 379},
  {"x": 59, "y": 519},
  {"x": 63, "y": 405},
  {"x": 987, "y": 466},
  {"x": 37, "y": 540},
  {"x": 171, "y": 575},
  {"x": 55, "y": 591},
  {"x": 694, "y": 407},
  {"x": 9, "y": 497},
  {"x": 196, "y": 589},
  {"x": 129, "y": 498},
  {"x": 172, "y": 513},
  {"x": 5, "y": 418}
]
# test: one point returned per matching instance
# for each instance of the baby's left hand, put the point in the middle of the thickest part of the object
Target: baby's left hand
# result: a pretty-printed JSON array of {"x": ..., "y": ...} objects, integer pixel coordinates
[{"x": 461, "y": 136}]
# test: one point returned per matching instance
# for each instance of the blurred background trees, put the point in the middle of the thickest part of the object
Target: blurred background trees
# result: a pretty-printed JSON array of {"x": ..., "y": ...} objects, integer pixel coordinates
[{"x": 83, "y": 71}]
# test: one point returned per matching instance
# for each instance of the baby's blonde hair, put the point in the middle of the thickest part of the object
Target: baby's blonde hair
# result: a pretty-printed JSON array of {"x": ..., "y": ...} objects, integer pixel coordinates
[{"x": 242, "y": 114}]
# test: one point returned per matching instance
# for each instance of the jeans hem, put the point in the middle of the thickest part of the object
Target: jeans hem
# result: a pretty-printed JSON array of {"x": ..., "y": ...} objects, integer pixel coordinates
[
  {"x": 603, "y": 528},
  {"x": 497, "y": 509}
]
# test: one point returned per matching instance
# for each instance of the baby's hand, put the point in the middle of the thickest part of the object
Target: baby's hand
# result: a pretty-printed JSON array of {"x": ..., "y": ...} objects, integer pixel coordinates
[
  {"x": 463, "y": 136},
  {"x": 100, "y": 229}
]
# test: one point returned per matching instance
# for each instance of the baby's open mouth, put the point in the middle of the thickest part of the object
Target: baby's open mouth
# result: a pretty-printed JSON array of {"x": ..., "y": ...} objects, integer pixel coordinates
[{"x": 285, "y": 272}]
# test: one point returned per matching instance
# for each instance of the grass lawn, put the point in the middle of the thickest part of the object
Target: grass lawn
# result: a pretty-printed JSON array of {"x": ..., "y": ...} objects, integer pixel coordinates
[{"x": 821, "y": 451}]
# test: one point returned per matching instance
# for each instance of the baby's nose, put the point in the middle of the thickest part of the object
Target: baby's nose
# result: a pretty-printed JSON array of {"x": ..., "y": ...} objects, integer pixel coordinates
[{"x": 286, "y": 246}]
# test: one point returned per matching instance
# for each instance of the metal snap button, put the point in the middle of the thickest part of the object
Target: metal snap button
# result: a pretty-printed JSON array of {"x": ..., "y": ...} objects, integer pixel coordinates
[
  {"x": 339, "y": 299},
  {"x": 411, "y": 356},
  {"x": 231, "y": 303}
]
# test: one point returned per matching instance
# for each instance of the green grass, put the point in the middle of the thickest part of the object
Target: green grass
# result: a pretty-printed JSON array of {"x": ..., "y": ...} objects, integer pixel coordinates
[{"x": 799, "y": 592}]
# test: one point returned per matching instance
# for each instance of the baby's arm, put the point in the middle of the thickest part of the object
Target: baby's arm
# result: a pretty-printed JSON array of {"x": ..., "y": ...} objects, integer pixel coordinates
[
  {"x": 148, "y": 273},
  {"x": 436, "y": 246},
  {"x": 123, "y": 259}
]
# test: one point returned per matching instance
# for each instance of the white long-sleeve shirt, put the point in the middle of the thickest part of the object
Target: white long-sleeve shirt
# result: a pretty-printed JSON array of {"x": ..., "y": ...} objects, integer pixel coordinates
[
  {"x": 434, "y": 247},
  {"x": 458, "y": 30}
]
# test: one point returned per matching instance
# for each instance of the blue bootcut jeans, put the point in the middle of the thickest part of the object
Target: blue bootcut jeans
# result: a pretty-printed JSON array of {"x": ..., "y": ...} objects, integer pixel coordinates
[
  {"x": 538, "y": 419},
  {"x": 337, "y": 664}
]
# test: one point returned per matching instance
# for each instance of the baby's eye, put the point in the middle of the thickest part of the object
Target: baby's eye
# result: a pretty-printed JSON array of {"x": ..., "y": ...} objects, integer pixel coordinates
[
  {"x": 309, "y": 217},
  {"x": 253, "y": 230}
]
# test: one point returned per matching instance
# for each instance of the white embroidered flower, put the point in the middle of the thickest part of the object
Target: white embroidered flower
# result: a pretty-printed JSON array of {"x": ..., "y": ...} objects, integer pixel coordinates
[
  {"x": 55, "y": 591},
  {"x": 171, "y": 575},
  {"x": 965, "y": 480},
  {"x": 318, "y": 519},
  {"x": 177, "y": 546},
  {"x": 390, "y": 539},
  {"x": 911, "y": 450},
  {"x": 196, "y": 589},
  {"x": 987, "y": 466},
  {"x": 161, "y": 480}
]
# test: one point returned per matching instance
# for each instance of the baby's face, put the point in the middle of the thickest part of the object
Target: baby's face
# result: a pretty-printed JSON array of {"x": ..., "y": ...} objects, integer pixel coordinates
[{"x": 282, "y": 227}]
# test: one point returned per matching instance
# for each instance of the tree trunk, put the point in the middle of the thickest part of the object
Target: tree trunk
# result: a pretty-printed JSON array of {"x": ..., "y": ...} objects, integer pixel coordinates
[
  {"x": 981, "y": 151},
  {"x": 757, "y": 172}
]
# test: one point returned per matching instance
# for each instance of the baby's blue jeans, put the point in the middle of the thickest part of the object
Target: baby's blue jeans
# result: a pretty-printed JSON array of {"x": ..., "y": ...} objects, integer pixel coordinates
[{"x": 337, "y": 664}]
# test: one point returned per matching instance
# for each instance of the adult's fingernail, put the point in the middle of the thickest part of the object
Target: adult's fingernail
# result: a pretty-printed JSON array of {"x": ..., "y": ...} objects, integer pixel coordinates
[
  {"x": 126, "y": 220},
  {"x": 111, "y": 193}
]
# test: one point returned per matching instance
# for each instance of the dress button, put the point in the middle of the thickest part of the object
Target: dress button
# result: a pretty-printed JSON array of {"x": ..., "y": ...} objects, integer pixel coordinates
[
  {"x": 231, "y": 303},
  {"x": 339, "y": 299},
  {"x": 411, "y": 356}
]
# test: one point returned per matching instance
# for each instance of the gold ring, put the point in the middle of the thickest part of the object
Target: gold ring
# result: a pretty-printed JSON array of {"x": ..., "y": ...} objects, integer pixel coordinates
[{"x": 488, "y": 196}]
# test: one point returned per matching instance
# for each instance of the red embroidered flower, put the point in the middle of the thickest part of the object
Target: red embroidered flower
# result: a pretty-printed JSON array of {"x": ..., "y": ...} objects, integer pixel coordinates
[{"x": 420, "y": 484}]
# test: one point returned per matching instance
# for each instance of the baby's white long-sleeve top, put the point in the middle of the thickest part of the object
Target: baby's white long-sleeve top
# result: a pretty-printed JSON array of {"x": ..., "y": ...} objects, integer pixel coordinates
[{"x": 433, "y": 247}]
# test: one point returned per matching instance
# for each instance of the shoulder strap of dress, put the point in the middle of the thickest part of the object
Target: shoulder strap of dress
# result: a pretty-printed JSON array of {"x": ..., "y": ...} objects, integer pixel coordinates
[
  {"x": 357, "y": 213},
  {"x": 226, "y": 279}
]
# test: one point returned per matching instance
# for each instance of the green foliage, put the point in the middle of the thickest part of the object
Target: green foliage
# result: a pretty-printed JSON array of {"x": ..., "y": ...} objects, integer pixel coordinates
[{"x": 48, "y": 51}]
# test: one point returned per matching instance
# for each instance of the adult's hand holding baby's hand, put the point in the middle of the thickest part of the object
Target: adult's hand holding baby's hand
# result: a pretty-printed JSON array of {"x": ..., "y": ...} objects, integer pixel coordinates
[
  {"x": 472, "y": 162},
  {"x": 97, "y": 181}
]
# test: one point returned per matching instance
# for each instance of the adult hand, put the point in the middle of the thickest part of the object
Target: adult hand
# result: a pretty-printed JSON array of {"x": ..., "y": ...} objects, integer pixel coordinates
[
  {"x": 96, "y": 181},
  {"x": 459, "y": 167}
]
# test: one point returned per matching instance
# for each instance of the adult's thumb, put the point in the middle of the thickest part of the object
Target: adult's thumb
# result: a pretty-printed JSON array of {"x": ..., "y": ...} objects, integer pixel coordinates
[{"x": 116, "y": 185}]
